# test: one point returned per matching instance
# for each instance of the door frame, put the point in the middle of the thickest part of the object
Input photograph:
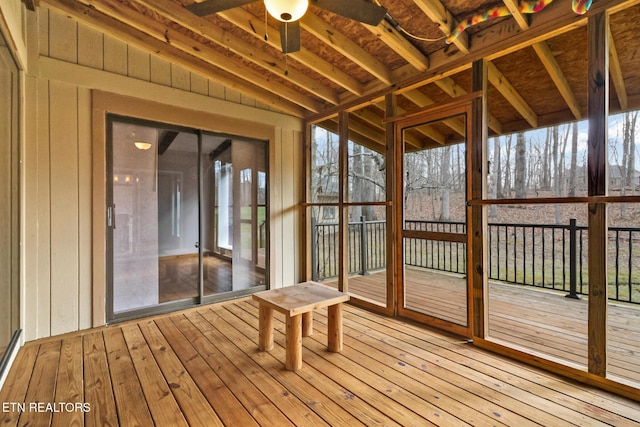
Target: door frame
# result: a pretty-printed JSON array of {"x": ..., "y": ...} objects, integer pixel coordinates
[{"x": 460, "y": 106}]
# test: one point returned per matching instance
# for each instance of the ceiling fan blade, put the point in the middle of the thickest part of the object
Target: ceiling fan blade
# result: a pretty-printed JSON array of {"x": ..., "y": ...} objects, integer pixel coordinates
[
  {"x": 358, "y": 10},
  {"x": 209, "y": 7},
  {"x": 290, "y": 36}
]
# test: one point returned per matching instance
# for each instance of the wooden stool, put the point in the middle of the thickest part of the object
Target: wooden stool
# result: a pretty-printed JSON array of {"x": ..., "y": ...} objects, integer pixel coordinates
[{"x": 297, "y": 304}]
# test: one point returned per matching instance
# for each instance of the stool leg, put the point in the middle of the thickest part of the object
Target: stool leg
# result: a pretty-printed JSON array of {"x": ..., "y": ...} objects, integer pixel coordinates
[
  {"x": 334, "y": 328},
  {"x": 294, "y": 343},
  {"x": 307, "y": 324},
  {"x": 265, "y": 328}
]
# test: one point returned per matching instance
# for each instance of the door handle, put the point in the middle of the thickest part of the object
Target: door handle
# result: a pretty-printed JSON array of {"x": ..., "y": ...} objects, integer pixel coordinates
[{"x": 197, "y": 245}]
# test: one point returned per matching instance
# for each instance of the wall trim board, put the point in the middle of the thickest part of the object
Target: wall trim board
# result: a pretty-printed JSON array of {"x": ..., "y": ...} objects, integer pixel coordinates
[{"x": 57, "y": 70}]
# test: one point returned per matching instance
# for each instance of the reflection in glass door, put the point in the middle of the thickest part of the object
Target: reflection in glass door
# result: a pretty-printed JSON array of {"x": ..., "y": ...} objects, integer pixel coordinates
[
  {"x": 186, "y": 218},
  {"x": 434, "y": 288}
]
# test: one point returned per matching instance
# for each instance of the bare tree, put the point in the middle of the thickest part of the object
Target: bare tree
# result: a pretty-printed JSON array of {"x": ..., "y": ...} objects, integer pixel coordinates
[
  {"x": 574, "y": 161},
  {"x": 507, "y": 167},
  {"x": 521, "y": 166}
]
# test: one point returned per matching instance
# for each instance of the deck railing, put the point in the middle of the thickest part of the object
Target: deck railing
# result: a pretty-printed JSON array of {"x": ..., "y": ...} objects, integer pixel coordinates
[{"x": 540, "y": 255}]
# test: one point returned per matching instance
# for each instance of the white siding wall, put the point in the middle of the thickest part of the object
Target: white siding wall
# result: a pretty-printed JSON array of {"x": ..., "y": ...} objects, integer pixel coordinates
[{"x": 66, "y": 61}]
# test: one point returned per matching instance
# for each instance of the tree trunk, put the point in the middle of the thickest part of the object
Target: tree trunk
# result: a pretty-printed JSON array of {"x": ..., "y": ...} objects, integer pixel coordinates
[
  {"x": 574, "y": 160},
  {"x": 521, "y": 166}
]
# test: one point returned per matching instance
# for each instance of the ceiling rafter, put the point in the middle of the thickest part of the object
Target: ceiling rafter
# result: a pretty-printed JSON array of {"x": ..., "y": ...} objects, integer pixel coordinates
[
  {"x": 201, "y": 26},
  {"x": 244, "y": 20},
  {"x": 616, "y": 72},
  {"x": 100, "y": 21},
  {"x": 396, "y": 41},
  {"x": 454, "y": 90},
  {"x": 334, "y": 38},
  {"x": 502, "y": 84},
  {"x": 159, "y": 31},
  {"x": 436, "y": 11},
  {"x": 521, "y": 20},
  {"x": 558, "y": 77},
  {"x": 549, "y": 62}
]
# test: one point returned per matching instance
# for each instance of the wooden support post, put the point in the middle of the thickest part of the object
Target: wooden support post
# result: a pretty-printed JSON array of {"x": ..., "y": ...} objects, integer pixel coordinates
[
  {"x": 477, "y": 214},
  {"x": 598, "y": 108},
  {"x": 392, "y": 192},
  {"x": 334, "y": 328},
  {"x": 294, "y": 343},
  {"x": 265, "y": 333},
  {"x": 343, "y": 194}
]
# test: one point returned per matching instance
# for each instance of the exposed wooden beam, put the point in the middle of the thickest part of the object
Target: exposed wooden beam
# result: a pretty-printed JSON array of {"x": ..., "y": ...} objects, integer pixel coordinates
[
  {"x": 558, "y": 77},
  {"x": 616, "y": 73},
  {"x": 334, "y": 38},
  {"x": 173, "y": 12},
  {"x": 502, "y": 84},
  {"x": 436, "y": 11},
  {"x": 104, "y": 23},
  {"x": 375, "y": 122},
  {"x": 422, "y": 100},
  {"x": 244, "y": 20},
  {"x": 454, "y": 90},
  {"x": 141, "y": 22},
  {"x": 521, "y": 20},
  {"x": 396, "y": 41}
]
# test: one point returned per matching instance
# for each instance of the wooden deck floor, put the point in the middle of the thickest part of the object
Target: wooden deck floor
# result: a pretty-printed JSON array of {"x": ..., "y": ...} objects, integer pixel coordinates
[
  {"x": 201, "y": 367},
  {"x": 540, "y": 321}
]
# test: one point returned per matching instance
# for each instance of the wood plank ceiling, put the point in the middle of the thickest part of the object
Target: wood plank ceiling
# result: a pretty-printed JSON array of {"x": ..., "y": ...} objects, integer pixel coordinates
[{"x": 537, "y": 62}]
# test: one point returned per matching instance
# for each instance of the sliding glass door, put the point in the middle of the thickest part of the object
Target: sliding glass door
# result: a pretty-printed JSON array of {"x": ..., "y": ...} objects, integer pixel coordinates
[{"x": 186, "y": 215}]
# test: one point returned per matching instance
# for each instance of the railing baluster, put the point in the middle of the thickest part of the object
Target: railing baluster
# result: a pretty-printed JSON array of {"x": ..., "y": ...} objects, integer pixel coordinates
[{"x": 514, "y": 258}]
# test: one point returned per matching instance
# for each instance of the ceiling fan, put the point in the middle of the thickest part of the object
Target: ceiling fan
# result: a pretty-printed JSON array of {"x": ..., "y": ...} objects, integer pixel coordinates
[{"x": 289, "y": 12}]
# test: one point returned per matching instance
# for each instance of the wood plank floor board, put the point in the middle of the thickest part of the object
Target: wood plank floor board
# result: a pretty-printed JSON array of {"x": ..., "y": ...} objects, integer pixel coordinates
[
  {"x": 162, "y": 404},
  {"x": 477, "y": 409},
  {"x": 510, "y": 401},
  {"x": 477, "y": 366},
  {"x": 194, "y": 405},
  {"x": 395, "y": 402},
  {"x": 221, "y": 399},
  {"x": 306, "y": 387},
  {"x": 131, "y": 405},
  {"x": 294, "y": 409},
  {"x": 492, "y": 409},
  {"x": 212, "y": 347},
  {"x": 339, "y": 407},
  {"x": 14, "y": 390},
  {"x": 69, "y": 384},
  {"x": 391, "y": 372},
  {"x": 98, "y": 391},
  {"x": 42, "y": 386}
]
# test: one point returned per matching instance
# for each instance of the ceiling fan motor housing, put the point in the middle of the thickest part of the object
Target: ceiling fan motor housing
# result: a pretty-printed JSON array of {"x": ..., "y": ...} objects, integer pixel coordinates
[{"x": 286, "y": 10}]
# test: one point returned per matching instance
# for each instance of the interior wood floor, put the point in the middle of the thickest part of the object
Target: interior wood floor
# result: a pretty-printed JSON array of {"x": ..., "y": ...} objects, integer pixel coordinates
[
  {"x": 530, "y": 319},
  {"x": 178, "y": 277},
  {"x": 202, "y": 367}
]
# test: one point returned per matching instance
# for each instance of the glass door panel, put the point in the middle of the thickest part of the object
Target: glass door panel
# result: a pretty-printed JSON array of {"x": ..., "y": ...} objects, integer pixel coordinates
[
  {"x": 154, "y": 203},
  {"x": 434, "y": 285},
  {"x": 178, "y": 240},
  {"x": 234, "y": 215}
]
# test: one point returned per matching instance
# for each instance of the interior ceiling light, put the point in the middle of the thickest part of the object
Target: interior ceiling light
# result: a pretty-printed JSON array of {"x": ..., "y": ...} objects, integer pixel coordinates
[
  {"x": 289, "y": 12},
  {"x": 141, "y": 145},
  {"x": 286, "y": 10}
]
